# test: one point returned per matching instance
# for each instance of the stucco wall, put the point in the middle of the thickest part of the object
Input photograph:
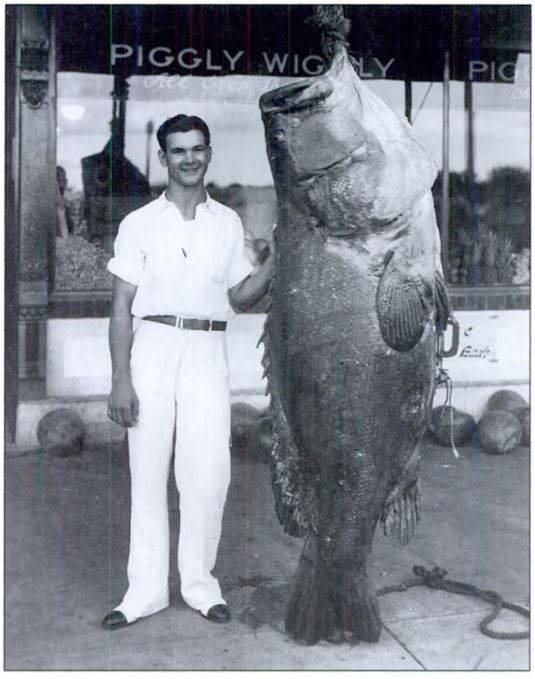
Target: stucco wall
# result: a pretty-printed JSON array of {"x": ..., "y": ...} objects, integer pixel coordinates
[
  {"x": 493, "y": 354},
  {"x": 78, "y": 360},
  {"x": 493, "y": 350}
]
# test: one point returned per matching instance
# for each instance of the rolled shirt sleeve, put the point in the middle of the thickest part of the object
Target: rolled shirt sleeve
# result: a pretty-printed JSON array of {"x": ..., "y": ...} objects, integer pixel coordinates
[
  {"x": 128, "y": 260},
  {"x": 239, "y": 266}
]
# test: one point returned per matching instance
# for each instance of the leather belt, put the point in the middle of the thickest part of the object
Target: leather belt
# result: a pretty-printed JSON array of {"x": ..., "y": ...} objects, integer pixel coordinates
[{"x": 188, "y": 323}]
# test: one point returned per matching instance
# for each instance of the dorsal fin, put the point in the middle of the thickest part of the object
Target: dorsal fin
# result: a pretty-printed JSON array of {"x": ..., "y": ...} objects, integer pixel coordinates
[{"x": 283, "y": 460}]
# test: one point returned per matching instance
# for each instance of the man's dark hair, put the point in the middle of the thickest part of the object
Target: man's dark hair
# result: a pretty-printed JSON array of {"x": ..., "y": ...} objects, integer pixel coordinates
[{"x": 182, "y": 123}]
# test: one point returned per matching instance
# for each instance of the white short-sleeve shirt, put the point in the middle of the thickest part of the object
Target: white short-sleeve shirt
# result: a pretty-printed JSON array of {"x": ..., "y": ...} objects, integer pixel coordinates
[{"x": 181, "y": 268}]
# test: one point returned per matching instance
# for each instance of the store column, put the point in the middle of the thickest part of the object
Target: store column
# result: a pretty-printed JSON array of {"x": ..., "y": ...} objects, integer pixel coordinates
[{"x": 35, "y": 182}]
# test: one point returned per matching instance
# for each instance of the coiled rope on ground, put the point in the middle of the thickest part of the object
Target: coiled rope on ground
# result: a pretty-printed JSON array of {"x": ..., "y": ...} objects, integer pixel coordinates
[{"x": 436, "y": 579}]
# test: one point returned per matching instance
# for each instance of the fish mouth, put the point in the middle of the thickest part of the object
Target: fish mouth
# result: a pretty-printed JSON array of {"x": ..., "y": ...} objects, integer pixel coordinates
[
  {"x": 308, "y": 123},
  {"x": 296, "y": 97},
  {"x": 303, "y": 95}
]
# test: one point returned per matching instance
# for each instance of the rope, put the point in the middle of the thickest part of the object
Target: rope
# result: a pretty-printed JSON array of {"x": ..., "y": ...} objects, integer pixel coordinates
[
  {"x": 331, "y": 27},
  {"x": 436, "y": 579},
  {"x": 442, "y": 377},
  {"x": 449, "y": 393},
  {"x": 422, "y": 104}
]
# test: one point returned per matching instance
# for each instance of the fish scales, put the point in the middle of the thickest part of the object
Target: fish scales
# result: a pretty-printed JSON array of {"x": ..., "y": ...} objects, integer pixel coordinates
[{"x": 351, "y": 337}]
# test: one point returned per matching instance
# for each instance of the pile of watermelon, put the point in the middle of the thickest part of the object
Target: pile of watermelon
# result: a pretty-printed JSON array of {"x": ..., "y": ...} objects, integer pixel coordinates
[
  {"x": 505, "y": 423},
  {"x": 251, "y": 432},
  {"x": 61, "y": 433},
  {"x": 503, "y": 427}
]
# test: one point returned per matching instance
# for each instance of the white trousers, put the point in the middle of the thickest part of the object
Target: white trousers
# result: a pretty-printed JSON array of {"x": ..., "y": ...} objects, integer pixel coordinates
[{"x": 181, "y": 378}]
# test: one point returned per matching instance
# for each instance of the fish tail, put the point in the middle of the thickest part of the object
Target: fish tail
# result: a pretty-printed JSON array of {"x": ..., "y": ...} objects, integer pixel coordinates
[{"x": 331, "y": 602}]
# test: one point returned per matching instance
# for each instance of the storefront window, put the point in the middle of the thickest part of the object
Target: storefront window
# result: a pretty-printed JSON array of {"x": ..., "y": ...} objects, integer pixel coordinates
[
  {"x": 107, "y": 164},
  {"x": 489, "y": 224},
  {"x": 83, "y": 129},
  {"x": 94, "y": 192},
  {"x": 501, "y": 156}
]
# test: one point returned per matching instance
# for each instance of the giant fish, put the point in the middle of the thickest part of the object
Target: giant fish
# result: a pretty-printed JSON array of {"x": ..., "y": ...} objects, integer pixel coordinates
[{"x": 358, "y": 304}]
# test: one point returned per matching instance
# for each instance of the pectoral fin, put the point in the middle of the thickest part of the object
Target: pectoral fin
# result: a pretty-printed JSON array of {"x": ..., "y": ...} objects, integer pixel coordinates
[{"x": 404, "y": 303}]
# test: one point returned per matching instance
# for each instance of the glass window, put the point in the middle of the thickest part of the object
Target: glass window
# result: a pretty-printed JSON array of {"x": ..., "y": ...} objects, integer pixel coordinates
[
  {"x": 489, "y": 175},
  {"x": 98, "y": 183},
  {"x": 108, "y": 164}
]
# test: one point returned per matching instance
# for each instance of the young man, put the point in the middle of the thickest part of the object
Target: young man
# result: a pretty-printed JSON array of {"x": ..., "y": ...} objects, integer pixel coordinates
[{"x": 179, "y": 267}]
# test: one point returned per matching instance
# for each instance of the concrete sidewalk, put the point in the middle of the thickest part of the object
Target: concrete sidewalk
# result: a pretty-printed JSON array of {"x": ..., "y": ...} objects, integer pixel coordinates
[{"x": 66, "y": 546}]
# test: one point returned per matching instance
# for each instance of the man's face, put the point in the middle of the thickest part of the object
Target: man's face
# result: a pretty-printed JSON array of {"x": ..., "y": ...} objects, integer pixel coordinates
[{"x": 186, "y": 157}]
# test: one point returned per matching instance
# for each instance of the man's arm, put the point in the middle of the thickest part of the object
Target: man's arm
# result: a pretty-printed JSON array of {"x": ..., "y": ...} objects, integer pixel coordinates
[
  {"x": 251, "y": 289},
  {"x": 123, "y": 404}
]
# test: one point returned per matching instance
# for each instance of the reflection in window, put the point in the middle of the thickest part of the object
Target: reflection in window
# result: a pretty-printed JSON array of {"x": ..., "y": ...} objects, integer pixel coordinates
[
  {"x": 108, "y": 165},
  {"x": 109, "y": 170},
  {"x": 489, "y": 227},
  {"x": 106, "y": 184}
]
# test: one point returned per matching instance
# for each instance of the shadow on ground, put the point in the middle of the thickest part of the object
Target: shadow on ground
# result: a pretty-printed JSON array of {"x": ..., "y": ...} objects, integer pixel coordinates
[{"x": 66, "y": 547}]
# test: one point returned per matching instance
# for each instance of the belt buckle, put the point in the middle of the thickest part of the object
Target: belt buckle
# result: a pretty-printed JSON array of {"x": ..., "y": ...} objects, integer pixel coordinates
[
  {"x": 178, "y": 322},
  {"x": 209, "y": 325}
]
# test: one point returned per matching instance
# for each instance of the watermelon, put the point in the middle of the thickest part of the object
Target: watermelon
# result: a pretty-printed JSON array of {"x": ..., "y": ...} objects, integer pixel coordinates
[
  {"x": 61, "y": 433},
  {"x": 506, "y": 399},
  {"x": 442, "y": 418},
  {"x": 499, "y": 432},
  {"x": 523, "y": 415},
  {"x": 263, "y": 438},
  {"x": 243, "y": 420}
]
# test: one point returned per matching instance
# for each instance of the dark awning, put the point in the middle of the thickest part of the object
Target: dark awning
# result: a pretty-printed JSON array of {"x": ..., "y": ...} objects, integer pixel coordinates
[{"x": 392, "y": 41}]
